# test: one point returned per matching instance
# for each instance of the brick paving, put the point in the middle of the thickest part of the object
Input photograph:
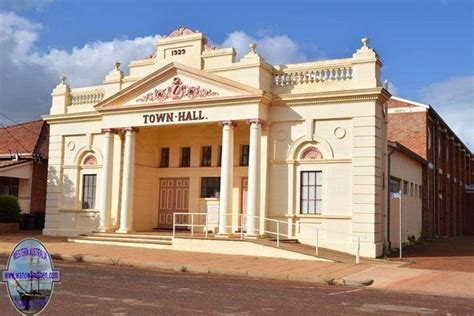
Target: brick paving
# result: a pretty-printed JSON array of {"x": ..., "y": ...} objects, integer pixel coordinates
[{"x": 447, "y": 254}]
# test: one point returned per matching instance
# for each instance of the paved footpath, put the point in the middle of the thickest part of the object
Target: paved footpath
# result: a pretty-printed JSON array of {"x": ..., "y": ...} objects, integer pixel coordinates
[{"x": 386, "y": 275}]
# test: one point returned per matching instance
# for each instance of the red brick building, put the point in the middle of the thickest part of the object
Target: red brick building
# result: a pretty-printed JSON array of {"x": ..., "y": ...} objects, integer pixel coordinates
[
  {"x": 449, "y": 170},
  {"x": 24, "y": 164}
]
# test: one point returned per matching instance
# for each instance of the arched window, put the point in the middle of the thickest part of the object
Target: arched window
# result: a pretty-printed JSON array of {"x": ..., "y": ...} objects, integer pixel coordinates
[{"x": 311, "y": 153}]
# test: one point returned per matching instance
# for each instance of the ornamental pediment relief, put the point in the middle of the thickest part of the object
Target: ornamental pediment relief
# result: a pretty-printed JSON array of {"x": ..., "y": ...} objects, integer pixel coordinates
[
  {"x": 177, "y": 90},
  {"x": 176, "y": 83}
]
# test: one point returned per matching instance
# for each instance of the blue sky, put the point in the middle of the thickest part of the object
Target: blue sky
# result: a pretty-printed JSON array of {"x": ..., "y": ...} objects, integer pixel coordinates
[{"x": 426, "y": 46}]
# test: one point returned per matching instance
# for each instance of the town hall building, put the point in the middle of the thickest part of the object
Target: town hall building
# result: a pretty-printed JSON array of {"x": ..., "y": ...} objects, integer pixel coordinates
[{"x": 254, "y": 148}]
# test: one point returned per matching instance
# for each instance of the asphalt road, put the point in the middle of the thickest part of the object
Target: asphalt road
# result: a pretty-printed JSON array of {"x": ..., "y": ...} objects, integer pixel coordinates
[{"x": 116, "y": 290}]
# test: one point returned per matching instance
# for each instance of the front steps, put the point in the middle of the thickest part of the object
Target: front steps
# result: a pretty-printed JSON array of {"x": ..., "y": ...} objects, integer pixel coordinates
[
  {"x": 233, "y": 245},
  {"x": 151, "y": 241}
]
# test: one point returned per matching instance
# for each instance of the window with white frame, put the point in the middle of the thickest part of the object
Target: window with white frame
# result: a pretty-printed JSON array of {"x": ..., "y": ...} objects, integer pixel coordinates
[
  {"x": 89, "y": 185},
  {"x": 311, "y": 192}
]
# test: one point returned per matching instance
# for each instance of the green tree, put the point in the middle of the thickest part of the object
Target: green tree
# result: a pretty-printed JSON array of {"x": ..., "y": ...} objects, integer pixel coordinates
[{"x": 9, "y": 209}]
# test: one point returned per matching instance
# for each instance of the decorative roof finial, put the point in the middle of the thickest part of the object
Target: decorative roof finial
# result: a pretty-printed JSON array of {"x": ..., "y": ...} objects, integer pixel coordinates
[
  {"x": 365, "y": 42},
  {"x": 181, "y": 31},
  {"x": 117, "y": 65},
  {"x": 62, "y": 79},
  {"x": 253, "y": 48}
]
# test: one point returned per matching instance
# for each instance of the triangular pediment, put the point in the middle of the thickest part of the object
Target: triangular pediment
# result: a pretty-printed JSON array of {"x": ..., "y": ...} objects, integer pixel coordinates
[{"x": 176, "y": 83}]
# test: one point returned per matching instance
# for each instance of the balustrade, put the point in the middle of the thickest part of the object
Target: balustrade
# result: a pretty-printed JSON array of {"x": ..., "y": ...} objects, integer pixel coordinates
[
  {"x": 312, "y": 76},
  {"x": 88, "y": 97}
]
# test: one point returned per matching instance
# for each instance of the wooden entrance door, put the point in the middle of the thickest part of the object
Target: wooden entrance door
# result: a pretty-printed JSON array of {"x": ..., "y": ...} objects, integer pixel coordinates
[
  {"x": 174, "y": 197},
  {"x": 244, "y": 185}
]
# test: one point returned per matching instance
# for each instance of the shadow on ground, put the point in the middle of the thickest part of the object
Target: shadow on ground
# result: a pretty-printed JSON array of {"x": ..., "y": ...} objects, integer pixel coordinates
[{"x": 449, "y": 254}]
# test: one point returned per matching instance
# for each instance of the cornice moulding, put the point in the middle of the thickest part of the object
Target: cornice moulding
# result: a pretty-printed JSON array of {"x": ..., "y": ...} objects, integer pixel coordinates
[{"x": 374, "y": 94}]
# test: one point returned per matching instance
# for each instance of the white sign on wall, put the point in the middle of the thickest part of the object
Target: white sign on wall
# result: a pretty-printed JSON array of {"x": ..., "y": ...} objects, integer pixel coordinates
[{"x": 212, "y": 213}]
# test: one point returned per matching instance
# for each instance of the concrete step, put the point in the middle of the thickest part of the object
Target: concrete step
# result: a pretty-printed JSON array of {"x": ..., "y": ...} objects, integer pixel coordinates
[
  {"x": 130, "y": 236},
  {"x": 124, "y": 239}
]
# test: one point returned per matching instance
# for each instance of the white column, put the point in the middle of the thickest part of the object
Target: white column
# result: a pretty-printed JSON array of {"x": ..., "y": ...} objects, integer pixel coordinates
[
  {"x": 227, "y": 164},
  {"x": 253, "y": 199},
  {"x": 105, "y": 192},
  {"x": 128, "y": 178}
]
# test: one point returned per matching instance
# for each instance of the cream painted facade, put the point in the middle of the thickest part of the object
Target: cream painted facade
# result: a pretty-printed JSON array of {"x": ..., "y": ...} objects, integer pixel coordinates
[
  {"x": 325, "y": 116},
  {"x": 408, "y": 172}
]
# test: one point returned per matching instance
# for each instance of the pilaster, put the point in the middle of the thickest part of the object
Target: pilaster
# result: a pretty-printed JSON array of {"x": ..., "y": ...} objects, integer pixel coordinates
[{"x": 367, "y": 195}]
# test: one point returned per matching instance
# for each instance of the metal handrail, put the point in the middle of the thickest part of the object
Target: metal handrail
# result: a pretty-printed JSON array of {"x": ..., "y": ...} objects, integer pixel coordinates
[{"x": 278, "y": 233}]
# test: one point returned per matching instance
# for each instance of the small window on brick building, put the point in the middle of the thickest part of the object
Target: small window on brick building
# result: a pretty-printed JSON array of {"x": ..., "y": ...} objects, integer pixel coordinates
[
  {"x": 429, "y": 138},
  {"x": 420, "y": 192},
  {"x": 206, "y": 154},
  {"x": 185, "y": 156},
  {"x": 405, "y": 187},
  {"x": 412, "y": 190},
  {"x": 244, "y": 155},
  {"x": 165, "y": 157}
]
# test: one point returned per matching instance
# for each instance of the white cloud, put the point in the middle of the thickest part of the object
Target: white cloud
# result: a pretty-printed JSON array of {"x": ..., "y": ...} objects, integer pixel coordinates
[
  {"x": 276, "y": 50},
  {"x": 18, "y": 5},
  {"x": 28, "y": 75},
  {"x": 89, "y": 64},
  {"x": 453, "y": 100}
]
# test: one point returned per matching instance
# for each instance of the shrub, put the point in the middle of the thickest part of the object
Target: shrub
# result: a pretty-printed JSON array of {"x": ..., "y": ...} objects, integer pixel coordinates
[{"x": 9, "y": 209}]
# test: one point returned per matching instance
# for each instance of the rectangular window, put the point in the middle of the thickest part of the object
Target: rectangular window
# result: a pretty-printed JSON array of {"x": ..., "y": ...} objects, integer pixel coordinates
[
  {"x": 394, "y": 184},
  {"x": 89, "y": 183},
  {"x": 210, "y": 187},
  {"x": 244, "y": 155},
  {"x": 412, "y": 191},
  {"x": 165, "y": 157},
  {"x": 416, "y": 190},
  {"x": 185, "y": 156},
  {"x": 219, "y": 159},
  {"x": 405, "y": 187},
  {"x": 9, "y": 186},
  {"x": 420, "y": 192},
  {"x": 206, "y": 154},
  {"x": 311, "y": 192}
]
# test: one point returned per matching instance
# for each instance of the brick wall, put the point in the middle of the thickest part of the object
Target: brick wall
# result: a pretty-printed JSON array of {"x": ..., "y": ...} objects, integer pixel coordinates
[
  {"x": 40, "y": 173},
  {"x": 450, "y": 170},
  {"x": 38, "y": 187},
  {"x": 408, "y": 128}
]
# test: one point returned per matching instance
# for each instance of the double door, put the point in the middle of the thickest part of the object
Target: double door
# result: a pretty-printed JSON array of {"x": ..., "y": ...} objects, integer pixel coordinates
[{"x": 174, "y": 198}]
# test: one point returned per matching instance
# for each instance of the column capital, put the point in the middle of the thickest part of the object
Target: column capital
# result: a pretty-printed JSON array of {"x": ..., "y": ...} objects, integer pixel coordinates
[
  {"x": 131, "y": 129},
  {"x": 109, "y": 130},
  {"x": 227, "y": 123},
  {"x": 256, "y": 121}
]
